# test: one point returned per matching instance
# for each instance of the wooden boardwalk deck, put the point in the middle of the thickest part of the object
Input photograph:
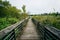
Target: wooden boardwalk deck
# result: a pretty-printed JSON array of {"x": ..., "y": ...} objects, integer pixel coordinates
[{"x": 29, "y": 32}]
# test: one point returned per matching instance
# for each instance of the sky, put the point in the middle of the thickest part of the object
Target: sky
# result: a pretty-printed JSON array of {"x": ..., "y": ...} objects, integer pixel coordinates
[{"x": 37, "y": 6}]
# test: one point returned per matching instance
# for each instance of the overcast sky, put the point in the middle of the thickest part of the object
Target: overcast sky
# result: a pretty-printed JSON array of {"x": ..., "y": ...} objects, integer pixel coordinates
[{"x": 37, "y": 6}]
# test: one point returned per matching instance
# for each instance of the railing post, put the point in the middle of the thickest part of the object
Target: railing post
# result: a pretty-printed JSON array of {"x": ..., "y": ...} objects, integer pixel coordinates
[
  {"x": 14, "y": 34},
  {"x": 44, "y": 34}
]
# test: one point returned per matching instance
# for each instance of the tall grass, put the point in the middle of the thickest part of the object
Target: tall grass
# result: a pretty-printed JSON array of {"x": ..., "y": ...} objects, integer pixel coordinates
[{"x": 49, "y": 19}]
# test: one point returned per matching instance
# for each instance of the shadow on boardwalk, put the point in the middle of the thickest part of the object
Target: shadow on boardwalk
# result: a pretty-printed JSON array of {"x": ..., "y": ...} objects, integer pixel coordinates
[{"x": 29, "y": 32}]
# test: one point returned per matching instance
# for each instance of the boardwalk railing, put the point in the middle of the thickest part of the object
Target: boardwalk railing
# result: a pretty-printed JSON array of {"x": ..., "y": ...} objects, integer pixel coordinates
[
  {"x": 11, "y": 32},
  {"x": 47, "y": 32}
]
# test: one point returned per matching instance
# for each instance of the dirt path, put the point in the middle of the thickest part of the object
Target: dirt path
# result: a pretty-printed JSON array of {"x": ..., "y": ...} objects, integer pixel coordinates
[{"x": 29, "y": 32}]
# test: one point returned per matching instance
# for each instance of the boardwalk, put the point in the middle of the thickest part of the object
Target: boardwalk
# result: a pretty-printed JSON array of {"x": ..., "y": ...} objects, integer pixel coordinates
[{"x": 29, "y": 32}]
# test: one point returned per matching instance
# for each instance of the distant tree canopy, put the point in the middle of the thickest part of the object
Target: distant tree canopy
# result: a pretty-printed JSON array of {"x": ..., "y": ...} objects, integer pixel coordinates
[{"x": 53, "y": 13}]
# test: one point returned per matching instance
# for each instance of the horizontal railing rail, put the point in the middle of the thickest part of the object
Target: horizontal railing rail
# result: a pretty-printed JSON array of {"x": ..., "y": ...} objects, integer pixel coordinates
[
  {"x": 47, "y": 32},
  {"x": 11, "y": 32}
]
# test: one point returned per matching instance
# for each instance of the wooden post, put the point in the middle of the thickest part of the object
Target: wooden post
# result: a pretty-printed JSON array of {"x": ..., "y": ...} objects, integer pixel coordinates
[{"x": 14, "y": 34}]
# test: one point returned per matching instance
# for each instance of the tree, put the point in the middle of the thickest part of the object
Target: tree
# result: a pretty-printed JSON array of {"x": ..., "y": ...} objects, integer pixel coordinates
[
  {"x": 4, "y": 8},
  {"x": 6, "y": 4},
  {"x": 14, "y": 12},
  {"x": 8, "y": 11},
  {"x": 23, "y": 8}
]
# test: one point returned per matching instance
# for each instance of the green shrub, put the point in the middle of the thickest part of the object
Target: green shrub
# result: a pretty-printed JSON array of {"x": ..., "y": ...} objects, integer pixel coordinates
[
  {"x": 6, "y": 22},
  {"x": 12, "y": 20},
  {"x": 3, "y": 23}
]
